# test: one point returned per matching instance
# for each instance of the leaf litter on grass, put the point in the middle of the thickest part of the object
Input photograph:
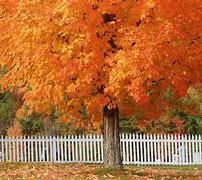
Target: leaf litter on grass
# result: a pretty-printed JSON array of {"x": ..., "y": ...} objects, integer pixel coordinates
[{"x": 94, "y": 172}]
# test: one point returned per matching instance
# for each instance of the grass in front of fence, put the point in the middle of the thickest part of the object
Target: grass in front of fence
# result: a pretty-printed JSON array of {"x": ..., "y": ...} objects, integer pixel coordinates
[{"x": 96, "y": 172}]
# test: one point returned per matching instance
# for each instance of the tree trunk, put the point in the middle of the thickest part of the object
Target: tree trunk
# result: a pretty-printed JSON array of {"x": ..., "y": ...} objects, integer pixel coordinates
[{"x": 112, "y": 152}]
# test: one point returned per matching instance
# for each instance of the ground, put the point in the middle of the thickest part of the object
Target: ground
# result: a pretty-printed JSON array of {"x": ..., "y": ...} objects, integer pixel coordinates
[{"x": 96, "y": 172}]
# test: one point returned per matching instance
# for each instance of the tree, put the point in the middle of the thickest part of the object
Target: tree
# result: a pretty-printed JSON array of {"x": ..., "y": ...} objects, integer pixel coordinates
[
  {"x": 107, "y": 56},
  {"x": 8, "y": 107},
  {"x": 192, "y": 119}
]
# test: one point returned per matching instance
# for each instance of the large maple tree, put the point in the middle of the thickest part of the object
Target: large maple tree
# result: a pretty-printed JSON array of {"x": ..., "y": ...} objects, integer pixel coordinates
[{"x": 107, "y": 56}]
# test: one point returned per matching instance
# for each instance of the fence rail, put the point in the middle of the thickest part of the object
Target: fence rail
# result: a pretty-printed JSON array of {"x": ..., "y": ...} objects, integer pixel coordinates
[{"x": 143, "y": 149}]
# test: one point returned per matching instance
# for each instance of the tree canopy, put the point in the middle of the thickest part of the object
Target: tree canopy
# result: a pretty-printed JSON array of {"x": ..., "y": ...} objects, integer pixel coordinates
[{"x": 92, "y": 53}]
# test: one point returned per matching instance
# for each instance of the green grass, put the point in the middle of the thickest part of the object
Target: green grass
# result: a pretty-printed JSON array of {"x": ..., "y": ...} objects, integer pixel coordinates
[{"x": 184, "y": 167}]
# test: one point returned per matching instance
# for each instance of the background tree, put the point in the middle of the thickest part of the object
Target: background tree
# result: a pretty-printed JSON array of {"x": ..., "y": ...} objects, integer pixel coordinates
[
  {"x": 192, "y": 119},
  {"x": 107, "y": 56},
  {"x": 183, "y": 116},
  {"x": 9, "y": 103}
]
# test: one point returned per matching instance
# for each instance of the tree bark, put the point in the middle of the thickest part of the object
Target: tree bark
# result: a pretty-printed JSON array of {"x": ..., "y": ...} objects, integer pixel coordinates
[{"x": 112, "y": 151}]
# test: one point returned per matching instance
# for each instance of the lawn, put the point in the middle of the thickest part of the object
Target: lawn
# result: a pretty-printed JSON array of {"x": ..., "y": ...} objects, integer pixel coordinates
[{"x": 96, "y": 172}]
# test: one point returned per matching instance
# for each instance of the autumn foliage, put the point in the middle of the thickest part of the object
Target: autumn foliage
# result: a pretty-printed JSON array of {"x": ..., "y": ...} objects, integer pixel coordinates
[{"x": 91, "y": 53}]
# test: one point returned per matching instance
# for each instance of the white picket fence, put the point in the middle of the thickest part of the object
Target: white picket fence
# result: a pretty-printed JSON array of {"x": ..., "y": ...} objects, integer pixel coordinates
[{"x": 136, "y": 149}]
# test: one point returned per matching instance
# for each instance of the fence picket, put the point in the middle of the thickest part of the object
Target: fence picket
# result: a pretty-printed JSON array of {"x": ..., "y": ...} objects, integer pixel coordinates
[
  {"x": 134, "y": 149},
  {"x": 2, "y": 149},
  {"x": 83, "y": 159},
  {"x": 60, "y": 149},
  {"x": 155, "y": 149},
  {"x": 72, "y": 143},
  {"x": 65, "y": 148},
  {"x": 200, "y": 151},
  {"x": 51, "y": 149},
  {"x": 158, "y": 148},
  {"x": 43, "y": 149},
  {"x": 183, "y": 150},
  {"x": 99, "y": 160},
  {"x": 123, "y": 147},
  {"x": 144, "y": 148},
  {"x": 32, "y": 149},
  {"x": 152, "y": 149},
  {"x": 87, "y": 148},
  {"x": 94, "y": 149},
  {"x": 17, "y": 149},
  {"x": 13, "y": 150},
  {"x": 102, "y": 153},
  {"x": 127, "y": 149},
  {"x": 6, "y": 148},
  {"x": 161, "y": 149},
  {"x": 186, "y": 149},
  {"x": 174, "y": 150},
  {"x": 69, "y": 147},
  {"x": 47, "y": 148},
  {"x": 28, "y": 149},
  {"x": 197, "y": 148},
  {"x": 91, "y": 148},
  {"x": 39, "y": 149},
  {"x": 180, "y": 147},
  {"x": 20, "y": 144},
  {"x": 131, "y": 152},
  {"x": 189, "y": 149},
  {"x": 193, "y": 144},
  {"x": 169, "y": 149},
  {"x": 141, "y": 150},
  {"x": 76, "y": 148},
  {"x": 165, "y": 149},
  {"x": 148, "y": 147},
  {"x": 36, "y": 149},
  {"x": 10, "y": 152}
]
